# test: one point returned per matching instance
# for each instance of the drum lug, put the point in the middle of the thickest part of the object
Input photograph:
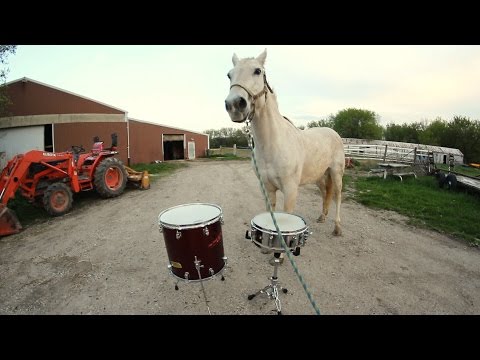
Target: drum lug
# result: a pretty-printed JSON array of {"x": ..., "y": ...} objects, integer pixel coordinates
[
  {"x": 178, "y": 234},
  {"x": 293, "y": 241},
  {"x": 304, "y": 238},
  {"x": 221, "y": 220},
  {"x": 186, "y": 275},
  {"x": 205, "y": 231},
  {"x": 212, "y": 273},
  {"x": 250, "y": 234}
]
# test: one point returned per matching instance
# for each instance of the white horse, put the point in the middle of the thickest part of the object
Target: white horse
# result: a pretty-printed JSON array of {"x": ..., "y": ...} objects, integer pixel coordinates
[{"x": 286, "y": 156}]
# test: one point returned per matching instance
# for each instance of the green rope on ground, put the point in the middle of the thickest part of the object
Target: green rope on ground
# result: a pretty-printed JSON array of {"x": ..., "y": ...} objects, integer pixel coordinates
[{"x": 282, "y": 241}]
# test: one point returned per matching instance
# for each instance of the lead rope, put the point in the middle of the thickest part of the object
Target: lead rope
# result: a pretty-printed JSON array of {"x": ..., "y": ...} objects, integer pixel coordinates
[{"x": 269, "y": 206}]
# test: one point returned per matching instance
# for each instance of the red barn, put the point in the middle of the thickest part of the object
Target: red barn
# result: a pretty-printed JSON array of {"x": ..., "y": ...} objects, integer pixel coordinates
[{"x": 45, "y": 117}]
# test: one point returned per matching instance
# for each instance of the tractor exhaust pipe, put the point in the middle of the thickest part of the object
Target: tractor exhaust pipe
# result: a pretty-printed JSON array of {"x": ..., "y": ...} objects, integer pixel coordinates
[{"x": 9, "y": 223}]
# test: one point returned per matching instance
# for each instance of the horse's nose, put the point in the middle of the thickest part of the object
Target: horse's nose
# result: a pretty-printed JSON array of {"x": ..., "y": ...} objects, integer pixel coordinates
[
  {"x": 228, "y": 105},
  {"x": 237, "y": 102},
  {"x": 242, "y": 103}
]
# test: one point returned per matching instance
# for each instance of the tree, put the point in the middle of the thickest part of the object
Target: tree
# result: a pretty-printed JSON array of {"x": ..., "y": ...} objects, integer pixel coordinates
[
  {"x": 5, "y": 50},
  {"x": 464, "y": 134},
  {"x": 321, "y": 123},
  {"x": 434, "y": 133},
  {"x": 410, "y": 133},
  {"x": 460, "y": 133},
  {"x": 357, "y": 123},
  {"x": 394, "y": 132},
  {"x": 227, "y": 137}
]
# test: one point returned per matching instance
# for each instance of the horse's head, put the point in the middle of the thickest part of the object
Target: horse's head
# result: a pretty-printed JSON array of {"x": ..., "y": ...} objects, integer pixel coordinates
[{"x": 247, "y": 84}]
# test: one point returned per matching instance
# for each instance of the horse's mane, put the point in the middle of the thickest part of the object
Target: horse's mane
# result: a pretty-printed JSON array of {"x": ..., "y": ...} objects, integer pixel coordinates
[
  {"x": 290, "y": 121},
  {"x": 276, "y": 101}
]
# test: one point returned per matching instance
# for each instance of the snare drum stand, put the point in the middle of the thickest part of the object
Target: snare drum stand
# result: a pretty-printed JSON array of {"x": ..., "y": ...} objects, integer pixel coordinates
[{"x": 271, "y": 290}]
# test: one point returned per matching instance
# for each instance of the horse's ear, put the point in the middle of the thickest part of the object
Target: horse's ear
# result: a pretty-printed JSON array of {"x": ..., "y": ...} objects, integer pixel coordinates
[
  {"x": 235, "y": 59},
  {"x": 261, "y": 58}
]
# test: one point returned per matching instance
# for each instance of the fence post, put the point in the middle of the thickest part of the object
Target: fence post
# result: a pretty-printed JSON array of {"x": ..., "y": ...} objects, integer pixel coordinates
[
  {"x": 385, "y": 154},
  {"x": 415, "y": 155},
  {"x": 234, "y": 149}
]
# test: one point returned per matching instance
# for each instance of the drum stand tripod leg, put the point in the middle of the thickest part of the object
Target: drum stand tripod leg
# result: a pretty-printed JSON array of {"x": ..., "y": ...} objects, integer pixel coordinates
[
  {"x": 271, "y": 290},
  {"x": 198, "y": 266},
  {"x": 225, "y": 261}
]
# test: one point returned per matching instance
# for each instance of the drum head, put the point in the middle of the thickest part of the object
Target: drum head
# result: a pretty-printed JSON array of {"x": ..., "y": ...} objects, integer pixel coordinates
[
  {"x": 189, "y": 215},
  {"x": 286, "y": 222}
]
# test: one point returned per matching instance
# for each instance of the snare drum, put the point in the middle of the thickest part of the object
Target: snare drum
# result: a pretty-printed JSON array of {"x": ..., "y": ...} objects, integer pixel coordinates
[
  {"x": 193, "y": 232},
  {"x": 293, "y": 228}
]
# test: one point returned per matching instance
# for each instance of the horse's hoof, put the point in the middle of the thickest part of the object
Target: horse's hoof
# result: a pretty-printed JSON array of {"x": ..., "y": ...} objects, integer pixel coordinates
[
  {"x": 321, "y": 219},
  {"x": 337, "y": 232}
]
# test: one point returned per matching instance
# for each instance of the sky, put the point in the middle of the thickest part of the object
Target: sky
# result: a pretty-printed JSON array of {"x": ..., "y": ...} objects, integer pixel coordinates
[{"x": 185, "y": 86}]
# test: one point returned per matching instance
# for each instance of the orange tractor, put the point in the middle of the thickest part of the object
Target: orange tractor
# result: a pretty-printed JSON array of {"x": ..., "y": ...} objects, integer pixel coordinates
[{"x": 51, "y": 178}]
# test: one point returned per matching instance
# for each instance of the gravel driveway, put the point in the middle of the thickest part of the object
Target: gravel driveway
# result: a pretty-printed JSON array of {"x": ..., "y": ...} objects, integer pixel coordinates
[{"x": 110, "y": 258}]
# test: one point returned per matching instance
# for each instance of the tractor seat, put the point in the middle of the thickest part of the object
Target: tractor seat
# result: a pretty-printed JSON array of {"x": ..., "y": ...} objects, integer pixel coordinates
[{"x": 97, "y": 147}]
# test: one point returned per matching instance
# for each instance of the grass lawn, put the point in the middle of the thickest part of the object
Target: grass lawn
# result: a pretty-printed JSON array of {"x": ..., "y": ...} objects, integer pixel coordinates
[{"x": 451, "y": 212}]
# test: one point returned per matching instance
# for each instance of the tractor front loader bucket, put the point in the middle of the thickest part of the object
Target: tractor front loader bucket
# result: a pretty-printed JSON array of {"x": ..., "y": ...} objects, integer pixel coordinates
[{"x": 9, "y": 223}]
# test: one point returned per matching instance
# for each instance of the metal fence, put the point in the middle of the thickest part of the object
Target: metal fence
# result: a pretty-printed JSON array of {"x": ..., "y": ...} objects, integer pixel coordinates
[
  {"x": 384, "y": 153},
  {"x": 236, "y": 151}
]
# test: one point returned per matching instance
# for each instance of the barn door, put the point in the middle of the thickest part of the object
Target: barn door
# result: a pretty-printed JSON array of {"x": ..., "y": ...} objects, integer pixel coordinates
[{"x": 191, "y": 150}]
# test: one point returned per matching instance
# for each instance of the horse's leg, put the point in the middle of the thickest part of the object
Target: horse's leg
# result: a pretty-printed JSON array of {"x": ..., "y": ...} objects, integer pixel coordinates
[
  {"x": 337, "y": 187},
  {"x": 326, "y": 187},
  {"x": 323, "y": 190},
  {"x": 290, "y": 192},
  {"x": 272, "y": 195}
]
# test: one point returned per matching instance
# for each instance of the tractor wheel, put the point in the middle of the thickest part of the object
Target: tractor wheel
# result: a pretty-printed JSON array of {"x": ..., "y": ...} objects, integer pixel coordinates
[
  {"x": 441, "y": 179},
  {"x": 110, "y": 178},
  {"x": 57, "y": 199},
  {"x": 451, "y": 181}
]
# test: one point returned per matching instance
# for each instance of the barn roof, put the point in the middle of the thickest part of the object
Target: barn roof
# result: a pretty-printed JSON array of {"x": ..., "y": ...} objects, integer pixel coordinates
[
  {"x": 26, "y": 79},
  {"x": 167, "y": 126}
]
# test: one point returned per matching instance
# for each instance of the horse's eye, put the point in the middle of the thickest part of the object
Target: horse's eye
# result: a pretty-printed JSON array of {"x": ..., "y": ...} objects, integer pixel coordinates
[{"x": 258, "y": 71}]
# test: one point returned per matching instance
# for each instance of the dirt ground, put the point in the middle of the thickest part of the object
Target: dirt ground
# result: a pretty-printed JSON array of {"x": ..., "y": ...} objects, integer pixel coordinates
[{"x": 109, "y": 258}]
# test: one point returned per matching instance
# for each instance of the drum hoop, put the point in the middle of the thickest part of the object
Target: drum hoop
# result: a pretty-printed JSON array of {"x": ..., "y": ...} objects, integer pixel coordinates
[
  {"x": 274, "y": 232},
  {"x": 190, "y": 226},
  {"x": 285, "y": 233}
]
